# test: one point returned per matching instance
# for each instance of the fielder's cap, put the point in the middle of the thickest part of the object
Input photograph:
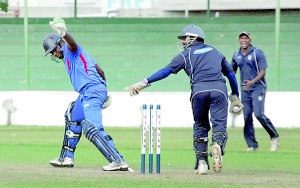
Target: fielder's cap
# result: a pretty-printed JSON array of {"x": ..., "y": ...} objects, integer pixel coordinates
[{"x": 245, "y": 33}]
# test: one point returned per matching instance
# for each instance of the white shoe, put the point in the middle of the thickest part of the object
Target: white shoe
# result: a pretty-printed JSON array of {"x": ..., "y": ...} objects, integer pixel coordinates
[
  {"x": 274, "y": 144},
  {"x": 251, "y": 149},
  {"x": 113, "y": 166},
  {"x": 67, "y": 162},
  {"x": 202, "y": 168},
  {"x": 217, "y": 157}
]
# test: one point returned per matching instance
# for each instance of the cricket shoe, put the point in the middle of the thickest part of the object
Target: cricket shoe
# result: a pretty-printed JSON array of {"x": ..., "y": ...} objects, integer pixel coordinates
[
  {"x": 274, "y": 144},
  {"x": 66, "y": 162},
  {"x": 202, "y": 168},
  {"x": 114, "y": 166},
  {"x": 216, "y": 154},
  {"x": 251, "y": 149}
]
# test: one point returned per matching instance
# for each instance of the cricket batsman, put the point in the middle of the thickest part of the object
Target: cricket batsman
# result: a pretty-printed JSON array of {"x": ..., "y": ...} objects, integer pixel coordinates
[{"x": 84, "y": 114}]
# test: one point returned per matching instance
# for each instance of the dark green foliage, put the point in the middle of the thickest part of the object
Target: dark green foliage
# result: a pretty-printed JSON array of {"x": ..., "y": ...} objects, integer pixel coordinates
[{"x": 3, "y": 6}]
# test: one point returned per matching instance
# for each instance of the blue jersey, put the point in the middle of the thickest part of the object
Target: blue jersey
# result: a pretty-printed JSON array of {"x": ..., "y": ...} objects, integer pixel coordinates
[
  {"x": 202, "y": 63},
  {"x": 250, "y": 64},
  {"x": 81, "y": 69}
]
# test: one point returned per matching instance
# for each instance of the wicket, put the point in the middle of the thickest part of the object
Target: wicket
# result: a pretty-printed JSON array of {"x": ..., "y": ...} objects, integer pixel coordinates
[{"x": 154, "y": 119}]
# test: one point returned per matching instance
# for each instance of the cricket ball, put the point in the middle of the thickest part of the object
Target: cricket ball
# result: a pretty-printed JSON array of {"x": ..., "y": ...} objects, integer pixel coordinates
[{"x": 235, "y": 109}]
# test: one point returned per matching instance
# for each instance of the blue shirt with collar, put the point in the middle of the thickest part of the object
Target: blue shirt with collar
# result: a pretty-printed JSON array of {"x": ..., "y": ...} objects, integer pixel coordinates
[{"x": 250, "y": 64}]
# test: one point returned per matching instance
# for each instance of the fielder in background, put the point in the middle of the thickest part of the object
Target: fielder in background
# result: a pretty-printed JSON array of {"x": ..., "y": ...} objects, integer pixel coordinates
[
  {"x": 252, "y": 63},
  {"x": 204, "y": 65},
  {"x": 88, "y": 79}
]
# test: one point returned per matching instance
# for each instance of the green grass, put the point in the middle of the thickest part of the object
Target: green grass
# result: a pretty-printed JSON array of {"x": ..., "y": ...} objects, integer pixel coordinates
[{"x": 25, "y": 152}]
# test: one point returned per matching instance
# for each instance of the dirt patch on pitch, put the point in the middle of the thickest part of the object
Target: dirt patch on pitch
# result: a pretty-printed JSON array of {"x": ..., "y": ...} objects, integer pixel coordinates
[{"x": 11, "y": 174}]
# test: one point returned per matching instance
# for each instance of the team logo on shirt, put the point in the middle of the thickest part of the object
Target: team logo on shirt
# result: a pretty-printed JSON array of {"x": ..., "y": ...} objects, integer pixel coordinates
[
  {"x": 249, "y": 57},
  {"x": 202, "y": 50}
]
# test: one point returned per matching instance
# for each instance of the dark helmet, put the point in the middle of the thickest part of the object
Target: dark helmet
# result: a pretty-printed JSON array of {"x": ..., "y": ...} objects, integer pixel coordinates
[
  {"x": 50, "y": 42},
  {"x": 192, "y": 31}
]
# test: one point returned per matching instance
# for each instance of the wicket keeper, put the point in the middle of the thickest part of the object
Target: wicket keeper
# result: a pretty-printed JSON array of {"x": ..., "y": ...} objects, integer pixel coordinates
[{"x": 205, "y": 67}]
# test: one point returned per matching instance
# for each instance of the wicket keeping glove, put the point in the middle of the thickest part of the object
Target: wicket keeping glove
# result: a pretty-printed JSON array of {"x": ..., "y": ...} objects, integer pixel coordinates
[
  {"x": 235, "y": 101},
  {"x": 58, "y": 25},
  {"x": 107, "y": 102},
  {"x": 137, "y": 87}
]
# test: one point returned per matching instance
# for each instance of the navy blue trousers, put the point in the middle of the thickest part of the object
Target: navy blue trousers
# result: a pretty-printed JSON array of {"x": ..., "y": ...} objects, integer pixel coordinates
[
  {"x": 254, "y": 102},
  {"x": 210, "y": 106}
]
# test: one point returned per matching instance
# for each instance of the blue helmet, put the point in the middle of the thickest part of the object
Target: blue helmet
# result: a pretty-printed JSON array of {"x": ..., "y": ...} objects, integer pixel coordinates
[
  {"x": 190, "y": 34},
  {"x": 193, "y": 31}
]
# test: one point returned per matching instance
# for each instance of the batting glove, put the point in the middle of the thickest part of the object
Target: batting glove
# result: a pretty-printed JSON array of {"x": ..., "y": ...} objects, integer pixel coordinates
[
  {"x": 137, "y": 87},
  {"x": 235, "y": 101},
  {"x": 107, "y": 102},
  {"x": 58, "y": 25}
]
